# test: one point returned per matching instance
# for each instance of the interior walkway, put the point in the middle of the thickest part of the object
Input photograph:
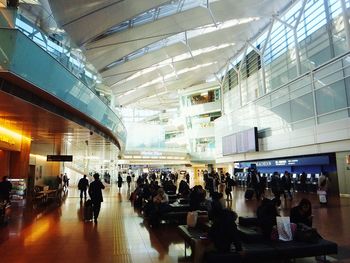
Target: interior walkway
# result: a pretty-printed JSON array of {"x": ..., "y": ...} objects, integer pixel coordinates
[{"x": 60, "y": 235}]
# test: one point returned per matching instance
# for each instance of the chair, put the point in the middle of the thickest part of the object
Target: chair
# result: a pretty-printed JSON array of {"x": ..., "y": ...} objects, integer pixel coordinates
[{"x": 37, "y": 197}]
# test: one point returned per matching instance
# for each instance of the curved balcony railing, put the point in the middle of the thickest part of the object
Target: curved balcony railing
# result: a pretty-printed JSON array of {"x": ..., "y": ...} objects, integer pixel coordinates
[{"x": 24, "y": 58}]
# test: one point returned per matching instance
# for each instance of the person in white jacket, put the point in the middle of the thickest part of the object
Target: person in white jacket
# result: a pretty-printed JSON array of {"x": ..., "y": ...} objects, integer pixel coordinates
[{"x": 323, "y": 182}]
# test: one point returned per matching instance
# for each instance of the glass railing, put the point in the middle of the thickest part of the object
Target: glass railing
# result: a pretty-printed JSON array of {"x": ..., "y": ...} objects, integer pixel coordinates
[
  {"x": 21, "y": 56},
  {"x": 61, "y": 49}
]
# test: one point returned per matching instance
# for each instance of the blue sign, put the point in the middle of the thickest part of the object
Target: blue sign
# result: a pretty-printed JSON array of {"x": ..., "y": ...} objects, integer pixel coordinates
[{"x": 312, "y": 160}]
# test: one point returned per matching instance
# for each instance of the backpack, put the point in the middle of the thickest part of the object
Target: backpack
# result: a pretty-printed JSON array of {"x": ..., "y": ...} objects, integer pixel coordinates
[{"x": 80, "y": 184}]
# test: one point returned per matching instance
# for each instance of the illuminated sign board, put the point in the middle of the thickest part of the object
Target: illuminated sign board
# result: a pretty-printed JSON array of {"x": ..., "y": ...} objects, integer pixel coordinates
[
  {"x": 59, "y": 158},
  {"x": 312, "y": 160}
]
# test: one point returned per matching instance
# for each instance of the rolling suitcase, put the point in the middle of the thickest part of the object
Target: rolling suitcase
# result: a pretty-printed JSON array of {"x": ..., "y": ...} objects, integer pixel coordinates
[
  {"x": 322, "y": 195},
  {"x": 88, "y": 210},
  {"x": 249, "y": 194}
]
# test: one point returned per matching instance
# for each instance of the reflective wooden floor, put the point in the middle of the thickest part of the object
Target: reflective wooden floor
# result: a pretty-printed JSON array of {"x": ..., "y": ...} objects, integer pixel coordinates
[{"x": 58, "y": 234}]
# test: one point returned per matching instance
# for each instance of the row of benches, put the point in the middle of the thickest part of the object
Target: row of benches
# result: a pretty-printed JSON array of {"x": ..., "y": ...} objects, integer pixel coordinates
[
  {"x": 43, "y": 196},
  {"x": 255, "y": 247}
]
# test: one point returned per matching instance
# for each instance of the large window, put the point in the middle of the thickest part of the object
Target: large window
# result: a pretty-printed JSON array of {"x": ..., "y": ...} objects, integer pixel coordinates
[{"x": 319, "y": 34}]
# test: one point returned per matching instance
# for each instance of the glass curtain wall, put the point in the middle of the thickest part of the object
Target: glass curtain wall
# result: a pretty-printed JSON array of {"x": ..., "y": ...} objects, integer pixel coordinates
[
  {"x": 309, "y": 34},
  {"x": 296, "y": 71}
]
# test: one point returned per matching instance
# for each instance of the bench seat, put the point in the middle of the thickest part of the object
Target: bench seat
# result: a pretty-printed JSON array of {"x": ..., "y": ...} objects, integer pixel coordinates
[
  {"x": 262, "y": 250},
  {"x": 250, "y": 234},
  {"x": 278, "y": 250}
]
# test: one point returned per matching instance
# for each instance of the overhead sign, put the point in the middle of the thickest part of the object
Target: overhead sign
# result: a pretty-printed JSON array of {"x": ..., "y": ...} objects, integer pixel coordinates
[
  {"x": 312, "y": 160},
  {"x": 59, "y": 158}
]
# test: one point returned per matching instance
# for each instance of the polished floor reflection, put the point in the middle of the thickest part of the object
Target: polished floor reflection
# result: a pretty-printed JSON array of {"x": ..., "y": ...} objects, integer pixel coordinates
[{"x": 58, "y": 234}]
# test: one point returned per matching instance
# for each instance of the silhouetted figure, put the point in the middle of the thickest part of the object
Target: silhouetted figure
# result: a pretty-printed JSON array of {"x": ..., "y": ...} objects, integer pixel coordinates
[
  {"x": 120, "y": 182},
  {"x": 184, "y": 189},
  {"x": 58, "y": 182},
  {"x": 276, "y": 187},
  {"x": 197, "y": 196},
  {"x": 65, "y": 181},
  {"x": 160, "y": 206},
  {"x": 287, "y": 185},
  {"x": 128, "y": 180},
  {"x": 95, "y": 192},
  {"x": 5, "y": 189},
  {"x": 83, "y": 186},
  {"x": 303, "y": 186},
  {"x": 266, "y": 214},
  {"x": 301, "y": 214},
  {"x": 223, "y": 231},
  {"x": 255, "y": 183},
  {"x": 188, "y": 178},
  {"x": 229, "y": 183}
]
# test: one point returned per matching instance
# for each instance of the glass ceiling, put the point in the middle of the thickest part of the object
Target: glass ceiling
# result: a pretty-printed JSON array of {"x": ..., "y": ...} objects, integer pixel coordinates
[
  {"x": 167, "y": 9},
  {"x": 177, "y": 38}
]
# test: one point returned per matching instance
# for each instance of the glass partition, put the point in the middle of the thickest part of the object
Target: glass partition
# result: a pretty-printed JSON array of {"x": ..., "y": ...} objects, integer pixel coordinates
[{"x": 24, "y": 58}]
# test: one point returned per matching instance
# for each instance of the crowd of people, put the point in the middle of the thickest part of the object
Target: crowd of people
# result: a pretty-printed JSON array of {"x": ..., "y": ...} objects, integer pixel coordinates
[
  {"x": 152, "y": 194},
  {"x": 152, "y": 198}
]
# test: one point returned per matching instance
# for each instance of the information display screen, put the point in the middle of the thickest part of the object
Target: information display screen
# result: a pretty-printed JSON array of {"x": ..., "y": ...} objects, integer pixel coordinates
[
  {"x": 59, "y": 158},
  {"x": 241, "y": 142}
]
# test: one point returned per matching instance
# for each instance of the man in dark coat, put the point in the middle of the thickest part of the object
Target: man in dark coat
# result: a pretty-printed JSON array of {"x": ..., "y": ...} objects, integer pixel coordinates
[
  {"x": 5, "y": 189},
  {"x": 255, "y": 183},
  {"x": 95, "y": 192},
  {"x": 82, "y": 186},
  {"x": 287, "y": 185}
]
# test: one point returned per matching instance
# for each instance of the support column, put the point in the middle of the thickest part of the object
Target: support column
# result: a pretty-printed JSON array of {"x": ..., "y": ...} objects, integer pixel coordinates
[{"x": 19, "y": 161}]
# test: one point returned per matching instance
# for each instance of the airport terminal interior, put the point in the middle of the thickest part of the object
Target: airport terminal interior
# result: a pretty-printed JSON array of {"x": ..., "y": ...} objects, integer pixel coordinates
[{"x": 216, "y": 131}]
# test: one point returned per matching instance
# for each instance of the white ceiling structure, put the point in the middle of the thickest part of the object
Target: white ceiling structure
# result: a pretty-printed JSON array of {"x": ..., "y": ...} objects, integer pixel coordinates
[{"x": 146, "y": 50}]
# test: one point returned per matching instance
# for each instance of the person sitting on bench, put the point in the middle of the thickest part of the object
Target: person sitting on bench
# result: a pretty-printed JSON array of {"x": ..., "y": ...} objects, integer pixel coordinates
[
  {"x": 266, "y": 214},
  {"x": 301, "y": 214},
  {"x": 223, "y": 231}
]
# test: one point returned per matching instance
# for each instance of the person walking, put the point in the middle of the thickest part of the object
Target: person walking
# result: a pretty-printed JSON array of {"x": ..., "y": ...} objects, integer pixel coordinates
[
  {"x": 120, "y": 182},
  {"x": 276, "y": 187},
  {"x": 95, "y": 193},
  {"x": 287, "y": 185},
  {"x": 255, "y": 183},
  {"x": 128, "y": 180},
  {"x": 303, "y": 186},
  {"x": 58, "y": 182},
  {"x": 323, "y": 187},
  {"x": 65, "y": 181},
  {"x": 229, "y": 183},
  {"x": 82, "y": 186}
]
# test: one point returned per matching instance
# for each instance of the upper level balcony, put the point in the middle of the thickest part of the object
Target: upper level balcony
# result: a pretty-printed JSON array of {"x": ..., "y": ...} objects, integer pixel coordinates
[{"x": 23, "y": 61}]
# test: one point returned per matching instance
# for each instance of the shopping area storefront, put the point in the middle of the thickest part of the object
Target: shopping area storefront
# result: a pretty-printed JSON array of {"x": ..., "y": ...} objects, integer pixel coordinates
[{"x": 14, "y": 158}]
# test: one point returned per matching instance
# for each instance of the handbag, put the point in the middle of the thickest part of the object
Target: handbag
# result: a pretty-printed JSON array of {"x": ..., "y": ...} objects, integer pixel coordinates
[
  {"x": 191, "y": 219},
  {"x": 283, "y": 228}
]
